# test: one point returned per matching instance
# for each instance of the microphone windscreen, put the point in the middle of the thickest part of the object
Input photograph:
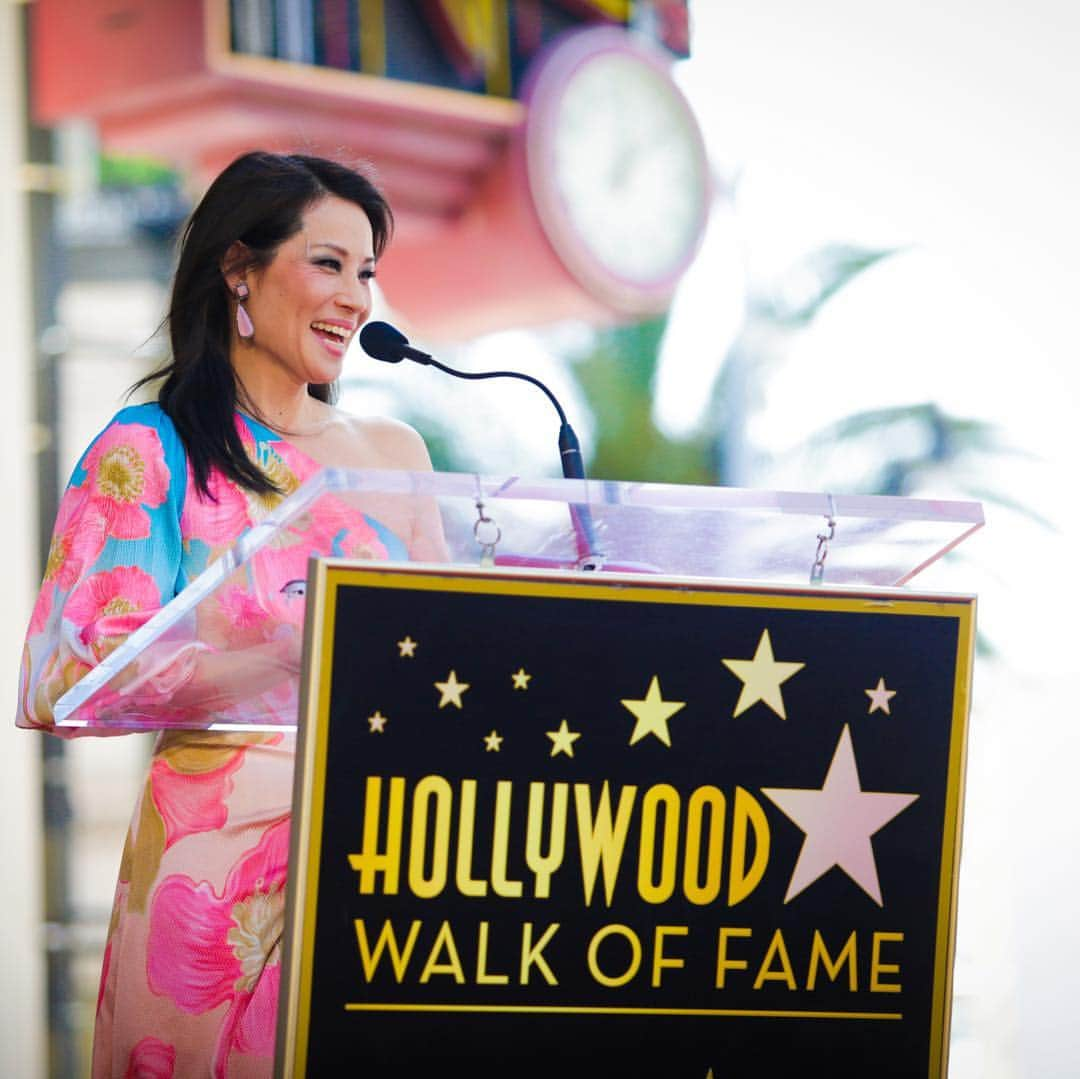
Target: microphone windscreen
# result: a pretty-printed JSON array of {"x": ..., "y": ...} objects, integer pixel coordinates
[{"x": 382, "y": 341}]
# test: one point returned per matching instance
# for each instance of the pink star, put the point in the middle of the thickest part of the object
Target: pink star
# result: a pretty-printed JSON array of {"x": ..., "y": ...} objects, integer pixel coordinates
[{"x": 838, "y": 821}]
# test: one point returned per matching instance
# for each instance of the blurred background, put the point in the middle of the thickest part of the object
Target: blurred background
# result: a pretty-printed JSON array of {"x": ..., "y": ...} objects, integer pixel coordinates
[{"x": 773, "y": 245}]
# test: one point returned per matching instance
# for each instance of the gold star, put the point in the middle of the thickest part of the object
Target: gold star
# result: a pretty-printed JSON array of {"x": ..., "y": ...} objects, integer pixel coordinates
[
  {"x": 652, "y": 713},
  {"x": 761, "y": 677},
  {"x": 377, "y": 723},
  {"x": 407, "y": 647},
  {"x": 451, "y": 690},
  {"x": 563, "y": 740},
  {"x": 880, "y": 697},
  {"x": 493, "y": 742},
  {"x": 521, "y": 679}
]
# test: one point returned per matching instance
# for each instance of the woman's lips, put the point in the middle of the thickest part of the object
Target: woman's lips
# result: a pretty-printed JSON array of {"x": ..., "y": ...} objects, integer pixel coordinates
[{"x": 332, "y": 342}]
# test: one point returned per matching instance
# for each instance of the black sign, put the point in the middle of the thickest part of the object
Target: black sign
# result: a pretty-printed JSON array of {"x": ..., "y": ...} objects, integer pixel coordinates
[{"x": 598, "y": 828}]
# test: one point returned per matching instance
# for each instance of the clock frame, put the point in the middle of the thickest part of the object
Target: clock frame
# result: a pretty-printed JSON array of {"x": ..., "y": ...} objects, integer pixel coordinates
[{"x": 628, "y": 248}]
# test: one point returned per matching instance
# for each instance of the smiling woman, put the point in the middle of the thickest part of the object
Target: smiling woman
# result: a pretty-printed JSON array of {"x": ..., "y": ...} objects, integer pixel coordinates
[
  {"x": 306, "y": 304},
  {"x": 273, "y": 281}
]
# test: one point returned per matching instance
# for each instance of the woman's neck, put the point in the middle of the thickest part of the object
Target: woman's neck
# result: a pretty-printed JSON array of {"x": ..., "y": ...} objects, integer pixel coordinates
[{"x": 288, "y": 410}]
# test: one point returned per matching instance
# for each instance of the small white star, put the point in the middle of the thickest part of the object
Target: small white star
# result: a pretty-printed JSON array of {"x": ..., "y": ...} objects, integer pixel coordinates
[
  {"x": 563, "y": 740},
  {"x": 521, "y": 679},
  {"x": 880, "y": 697},
  {"x": 493, "y": 742},
  {"x": 407, "y": 648},
  {"x": 377, "y": 723},
  {"x": 451, "y": 690}
]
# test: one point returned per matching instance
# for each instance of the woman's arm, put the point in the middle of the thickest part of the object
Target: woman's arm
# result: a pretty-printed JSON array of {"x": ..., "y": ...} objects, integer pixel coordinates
[{"x": 114, "y": 559}]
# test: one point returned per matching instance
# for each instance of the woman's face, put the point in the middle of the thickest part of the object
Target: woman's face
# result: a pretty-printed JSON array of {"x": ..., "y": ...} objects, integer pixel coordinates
[{"x": 308, "y": 303}]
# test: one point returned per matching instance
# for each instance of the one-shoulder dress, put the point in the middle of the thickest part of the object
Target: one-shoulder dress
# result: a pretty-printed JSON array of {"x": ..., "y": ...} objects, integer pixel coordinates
[{"x": 191, "y": 969}]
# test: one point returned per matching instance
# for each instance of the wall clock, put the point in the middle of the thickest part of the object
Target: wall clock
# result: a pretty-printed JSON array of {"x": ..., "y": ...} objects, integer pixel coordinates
[{"x": 616, "y": 167}]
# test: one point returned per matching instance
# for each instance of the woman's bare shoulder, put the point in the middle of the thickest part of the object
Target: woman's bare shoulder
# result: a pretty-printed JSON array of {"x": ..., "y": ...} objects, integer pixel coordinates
[{"x": 393, "y": 441}]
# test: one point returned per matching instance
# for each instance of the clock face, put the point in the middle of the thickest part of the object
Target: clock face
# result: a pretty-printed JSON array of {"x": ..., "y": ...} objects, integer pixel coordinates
[{"x": 617, "y": 168}]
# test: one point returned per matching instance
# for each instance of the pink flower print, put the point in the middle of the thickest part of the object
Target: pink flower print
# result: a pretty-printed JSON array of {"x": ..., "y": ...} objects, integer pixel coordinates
[
  {"x": 275, "y": 468},
  {"x": 113, "y": 603},
  {"x": 280, "y": 580},
  {"x": 58, "y": 676},
  {"x": 219, "y": 520},
  {"x": 206, "y": 949},
  {"x": 232, "y": 510},
  {"x": 241, "y": 608},
  {"x": 125, "y": 471},
  {"x": 39, "y": 616},
  {"x": 364, "y": 542},
  {"x": 77, "y": 540},
  {"x": 298, "y": 463},
  {"x": 333, "y": 519},
  {"x": 151, "y": 1059},
  {"x": 190, "y": 803}
]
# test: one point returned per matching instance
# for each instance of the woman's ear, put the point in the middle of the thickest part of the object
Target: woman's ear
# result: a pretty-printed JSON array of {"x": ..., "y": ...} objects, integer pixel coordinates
[{"x": 235, "y": 264}]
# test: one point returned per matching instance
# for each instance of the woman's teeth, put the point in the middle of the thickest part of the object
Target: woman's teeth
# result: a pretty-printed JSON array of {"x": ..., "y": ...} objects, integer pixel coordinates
[{"x": 337, "y": 331}]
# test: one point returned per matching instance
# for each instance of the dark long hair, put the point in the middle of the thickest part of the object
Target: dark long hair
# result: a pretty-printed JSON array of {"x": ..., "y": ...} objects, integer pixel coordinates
[{"x": 259, "y": 200}]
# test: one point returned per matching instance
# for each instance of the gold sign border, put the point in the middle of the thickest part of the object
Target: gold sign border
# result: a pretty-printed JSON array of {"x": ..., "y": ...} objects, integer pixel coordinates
[{"x": 327, "y": 576}]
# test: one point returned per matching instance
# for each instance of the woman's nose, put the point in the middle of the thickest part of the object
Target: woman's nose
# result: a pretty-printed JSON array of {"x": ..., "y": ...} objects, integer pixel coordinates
[{"x": 356, "y": 297}]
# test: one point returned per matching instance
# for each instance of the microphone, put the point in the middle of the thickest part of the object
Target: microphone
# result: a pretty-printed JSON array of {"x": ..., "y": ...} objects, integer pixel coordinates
[{"x": 384, "y": 342}]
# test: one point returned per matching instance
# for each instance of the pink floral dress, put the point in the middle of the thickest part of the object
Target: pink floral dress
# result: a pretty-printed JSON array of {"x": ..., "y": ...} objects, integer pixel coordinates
[{"x": 191, "y": 970}]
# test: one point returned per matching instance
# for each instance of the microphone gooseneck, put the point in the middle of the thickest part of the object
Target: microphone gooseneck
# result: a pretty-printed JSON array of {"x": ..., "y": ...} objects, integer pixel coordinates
[{"x": 384, "y": 342}]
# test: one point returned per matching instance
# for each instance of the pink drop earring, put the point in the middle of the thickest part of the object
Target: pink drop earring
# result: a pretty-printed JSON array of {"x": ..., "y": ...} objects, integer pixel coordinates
[{"x": 244, "y": 326}]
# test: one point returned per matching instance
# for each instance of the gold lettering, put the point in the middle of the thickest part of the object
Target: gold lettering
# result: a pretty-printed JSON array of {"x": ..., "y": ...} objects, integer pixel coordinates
[
  {"x": 660, "y": 961},
  {"x": 452, "y": 966},
  {"x": 466, "y": 884},
  {"x": 777, "y": 948},
  {"x": 544, "y": 865},
  {"x": 723, "y": 964},
  {"x": 818, "y": 952},
  {"x": 598, "y": 840},
  {"x": 877, "y": 967},
  {"x": 650, "y": 889},
  {"x": 437, "y": 789},
  {"x": 500, "y": 843},
  {"x": 482, "y": 976},
  {"x": 613, "y": 981},
  {"x": 399, "y": 957},
  {"x": 747, "y": 812},
  {"x": 694, "y": 889},
  {"x": 531, "y": 954},
  {"x": 370, "y": 861}
]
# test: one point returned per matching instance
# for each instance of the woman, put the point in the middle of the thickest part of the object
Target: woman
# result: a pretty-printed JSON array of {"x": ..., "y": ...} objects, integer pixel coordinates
[{"x": 273, "y": 281}]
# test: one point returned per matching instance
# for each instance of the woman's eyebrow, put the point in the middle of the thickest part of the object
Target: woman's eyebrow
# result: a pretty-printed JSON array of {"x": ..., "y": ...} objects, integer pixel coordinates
[{"x": 343, "y": 251}]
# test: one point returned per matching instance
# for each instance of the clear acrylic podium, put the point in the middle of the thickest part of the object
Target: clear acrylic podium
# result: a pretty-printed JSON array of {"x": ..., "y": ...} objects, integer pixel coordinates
[{"x": 246, "y": 612}]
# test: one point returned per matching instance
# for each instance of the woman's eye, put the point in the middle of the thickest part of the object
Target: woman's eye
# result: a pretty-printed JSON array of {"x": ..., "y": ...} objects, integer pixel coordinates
[
  {"x": 367, "y": 275},
  {"x": 332, "y": 264},
  {"x": 294, "y": 588}
]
